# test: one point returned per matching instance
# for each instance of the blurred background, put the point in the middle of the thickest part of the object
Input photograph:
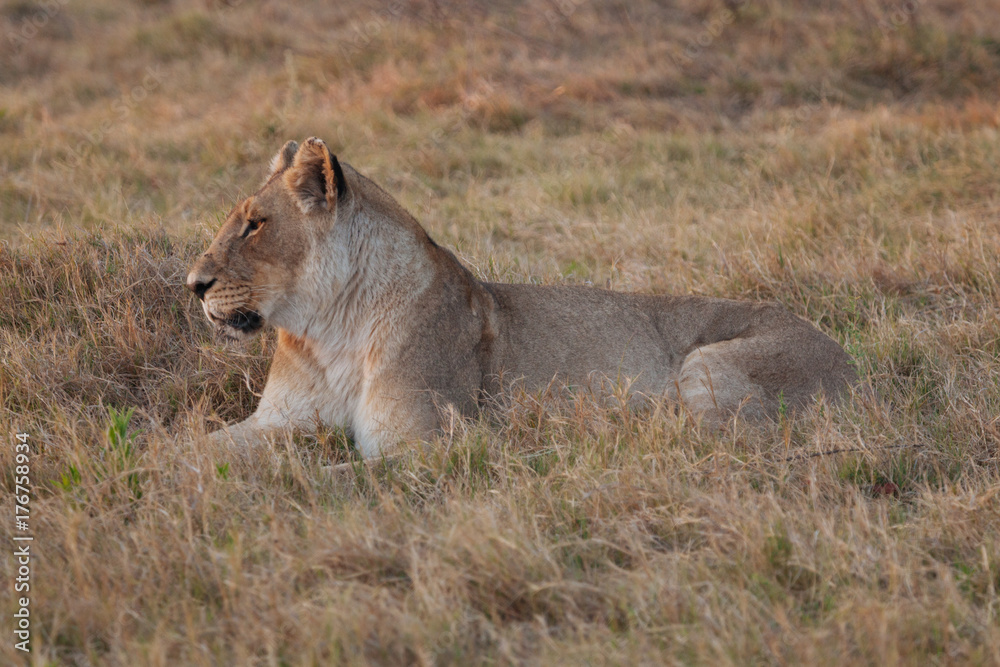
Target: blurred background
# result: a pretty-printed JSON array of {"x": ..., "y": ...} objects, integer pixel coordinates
[{"x": 606, "y": 141}]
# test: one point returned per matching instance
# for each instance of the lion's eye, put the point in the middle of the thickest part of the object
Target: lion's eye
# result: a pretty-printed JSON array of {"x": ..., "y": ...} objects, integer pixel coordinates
[{"x": 252, "y": 225}]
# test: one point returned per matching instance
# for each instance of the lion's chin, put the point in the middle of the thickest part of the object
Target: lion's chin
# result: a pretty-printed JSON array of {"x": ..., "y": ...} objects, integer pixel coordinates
[{"x": 229, "y": 335}]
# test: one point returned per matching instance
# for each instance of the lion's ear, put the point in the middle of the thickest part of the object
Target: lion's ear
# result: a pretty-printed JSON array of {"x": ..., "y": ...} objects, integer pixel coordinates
[
  {"x": 315, "y": 177},
  {"x": 282, "y": 160}
]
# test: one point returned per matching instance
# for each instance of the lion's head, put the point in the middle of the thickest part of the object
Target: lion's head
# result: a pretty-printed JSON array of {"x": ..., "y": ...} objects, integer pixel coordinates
[{"x": 250, "y": 273}]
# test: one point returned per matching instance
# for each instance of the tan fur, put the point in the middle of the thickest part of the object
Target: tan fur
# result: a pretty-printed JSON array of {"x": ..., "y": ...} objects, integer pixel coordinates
[{"x": 380, "y": 329}]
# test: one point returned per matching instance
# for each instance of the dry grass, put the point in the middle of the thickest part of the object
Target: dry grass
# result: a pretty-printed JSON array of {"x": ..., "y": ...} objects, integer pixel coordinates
[{"x": 839, "y": 158}]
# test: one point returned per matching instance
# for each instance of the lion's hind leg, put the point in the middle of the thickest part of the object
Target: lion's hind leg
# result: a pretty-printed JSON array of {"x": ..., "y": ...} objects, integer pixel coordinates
[
  {"x": 762, "y": 374},
  {"x": 714, "y": 384}
]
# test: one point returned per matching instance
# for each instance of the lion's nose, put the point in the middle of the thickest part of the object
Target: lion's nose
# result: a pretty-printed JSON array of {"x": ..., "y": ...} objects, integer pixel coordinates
[{"x": 199, "y": 285}]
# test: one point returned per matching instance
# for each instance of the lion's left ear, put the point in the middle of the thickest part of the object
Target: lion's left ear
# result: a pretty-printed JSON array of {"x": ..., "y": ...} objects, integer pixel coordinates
[
  {"x": 282, "y": 160},
  {"x": 315, "y": 177}
]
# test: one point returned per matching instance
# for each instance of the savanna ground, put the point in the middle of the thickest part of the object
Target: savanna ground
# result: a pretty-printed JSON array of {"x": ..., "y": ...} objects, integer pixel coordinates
[{"x": 840, "y": 157}]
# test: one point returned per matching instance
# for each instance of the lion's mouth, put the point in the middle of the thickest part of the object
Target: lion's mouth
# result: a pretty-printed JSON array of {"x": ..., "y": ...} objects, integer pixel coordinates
[
  {"x": 245, "y": 321},
  {"x": 239, "y": 324}
]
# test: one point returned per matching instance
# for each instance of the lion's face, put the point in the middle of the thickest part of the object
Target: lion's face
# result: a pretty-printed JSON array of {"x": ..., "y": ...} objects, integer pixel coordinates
[{"x": 249, "y": 274}]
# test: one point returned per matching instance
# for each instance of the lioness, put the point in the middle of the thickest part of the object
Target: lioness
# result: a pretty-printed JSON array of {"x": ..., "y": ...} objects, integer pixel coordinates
[{"x": 379, "y": 328}]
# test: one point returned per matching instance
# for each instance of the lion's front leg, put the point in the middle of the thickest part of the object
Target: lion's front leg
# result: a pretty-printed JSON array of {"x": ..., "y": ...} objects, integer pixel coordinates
[
  {"x": 249, "y": 439},
  {"x": 282, "y": 408},
  {"x": 292, "y": 398},
  {"x": 251, "y": 433},
  {"x": 389, "y": 414}
]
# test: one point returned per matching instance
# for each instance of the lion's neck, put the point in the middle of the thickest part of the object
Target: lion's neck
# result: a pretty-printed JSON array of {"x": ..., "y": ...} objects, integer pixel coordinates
[{"x": 359, "y": 278}]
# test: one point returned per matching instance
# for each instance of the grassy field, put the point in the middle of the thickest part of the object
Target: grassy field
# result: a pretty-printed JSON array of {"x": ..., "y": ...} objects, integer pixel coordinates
[{"x": 840, "y": 157}]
